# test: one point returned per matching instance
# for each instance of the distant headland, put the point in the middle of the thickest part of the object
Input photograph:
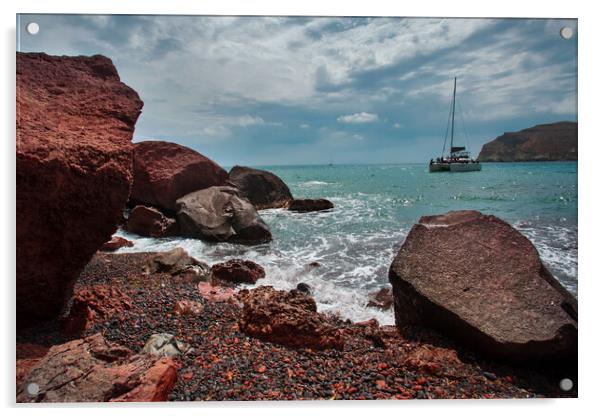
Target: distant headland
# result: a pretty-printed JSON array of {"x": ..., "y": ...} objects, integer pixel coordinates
[{"x": 544, "y": 142}]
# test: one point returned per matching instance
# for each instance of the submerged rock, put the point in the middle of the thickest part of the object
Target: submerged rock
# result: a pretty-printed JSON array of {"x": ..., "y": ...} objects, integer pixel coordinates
[
  {"x": 262, "y": 188},
  {"x": 164, "y": 172},
  {"x": 220, "y": 214},
  {"x": 115, "y": 243},
  {"x": 95, "y": 370},
  {"x": 238, "y": 271},
  {"x": 75, "y": 121},
  {"x": 309, "y": 205},
  {"x": 304, "y": 288},
  {"x": 288, "y": 318},
  {"x": 477, "y": 279},
  {"x": 150, "y": 222}
]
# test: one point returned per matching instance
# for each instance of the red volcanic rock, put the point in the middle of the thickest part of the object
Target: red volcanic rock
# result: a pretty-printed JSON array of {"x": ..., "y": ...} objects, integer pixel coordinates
[
  {"x": 188, "y": 307},
  {"x": 287, "y": 318},
  {"x": 94, "y": 370},
  {"x": 432, "y": 360},
  {"x": 115, "y": 243},
  {"x": 150, "y": 222},
  {"x": 262, "y": 188},
  {"x": 164, "y": 172},
  {"x": 381, "y": 299},
  {"x": 28, "y": 355},
  {"x": 75, "y": 121},
  {"x": 92, "y": 304},
  {"x": 238, "y": 271},
  {"x": 308, "y": 205},
  {"x": 475, "y": 278},
  {"x": 215, "y": 293}
]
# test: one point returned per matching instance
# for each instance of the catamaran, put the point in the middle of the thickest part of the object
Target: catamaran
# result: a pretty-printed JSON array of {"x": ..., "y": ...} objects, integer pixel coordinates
[{"x": 459, "y": 159}]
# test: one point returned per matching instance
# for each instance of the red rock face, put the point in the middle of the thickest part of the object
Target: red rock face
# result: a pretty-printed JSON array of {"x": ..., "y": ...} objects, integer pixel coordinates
[
  {"x": 164, "y": 172},
  {"x": 287, "y": 318},
  {"x": 238, "y": 271},
  {"x": 89, "y": 305},
  {"x": 75, "y": 121},
  {"x": 94, "y": 370},
  {"x": 477, "y": 279}
]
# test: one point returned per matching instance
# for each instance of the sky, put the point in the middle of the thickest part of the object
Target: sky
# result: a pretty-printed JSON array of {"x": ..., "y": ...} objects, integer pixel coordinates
[{"x": 262, "y": 91}]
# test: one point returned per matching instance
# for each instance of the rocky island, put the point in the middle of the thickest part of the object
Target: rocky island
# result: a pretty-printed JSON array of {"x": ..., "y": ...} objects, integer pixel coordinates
[{"x": 544, "y": 142}]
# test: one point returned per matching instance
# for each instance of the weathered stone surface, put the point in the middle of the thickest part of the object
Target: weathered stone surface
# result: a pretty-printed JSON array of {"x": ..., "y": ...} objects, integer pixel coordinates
[
  {"x": 164, "y": 172},
  {"x": 92, "y": 304},
  {"x": 28, "y": 355},
  {"x": 309, "y": 205},
  {"x": 188, "y": 307},
  {"x": 150, "y": 222},
  {"x": 165, "y": 345},
  {"x": 288, "y": 318},
  {"x": 219, "y": 214},
  {"x": 475, "y": 278},
  {"x": 177, "y": 261},
  {"x": 262, "y": 188},
  {"x": 94, "y": 370},
  {"x": 238, "y": 271},
  {"x": 381, "y": 299},
  {"x": 75, "y": 121},
  {"x": 115, "y": 243},
  {"x": 555, "y": 141},
  {"x": 215, "y": 293}
]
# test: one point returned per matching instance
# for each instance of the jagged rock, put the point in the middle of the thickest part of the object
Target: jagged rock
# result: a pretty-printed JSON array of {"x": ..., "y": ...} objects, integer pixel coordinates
[
  {"x": 75, "y": 121},
  {"x": 477, "y": 279},
  {"x": 309, "y": 205},
  {"x": 381, "y": 299},
  {"x": 92, "y": 304},
  {"x": 555, "y": 141},
  {"x": 115, "y": 243},
  {"x": 150, "y": 222},
  {"x": 165, "y": 345},
  {"x": 94, "y": 370},
  {"x": 237, "y": 271},
  {"x": 219, "y": 214},
  {"x": 178, "y": 262},
  {"x": 262, "y": 188},
  {"x": 164, "y": 172},
  {"x": 288, "y": 318}
]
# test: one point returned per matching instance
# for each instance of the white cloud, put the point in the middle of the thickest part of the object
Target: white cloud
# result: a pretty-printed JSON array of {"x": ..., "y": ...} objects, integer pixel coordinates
[{"x": 358, "y": 118}]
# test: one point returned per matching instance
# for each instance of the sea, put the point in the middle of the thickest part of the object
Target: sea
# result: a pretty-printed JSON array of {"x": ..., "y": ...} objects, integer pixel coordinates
[{"x": 375, "y": 207}]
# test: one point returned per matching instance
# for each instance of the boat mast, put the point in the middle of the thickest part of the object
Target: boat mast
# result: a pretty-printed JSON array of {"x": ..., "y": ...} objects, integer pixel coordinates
[{"x": 453, "y": 116}]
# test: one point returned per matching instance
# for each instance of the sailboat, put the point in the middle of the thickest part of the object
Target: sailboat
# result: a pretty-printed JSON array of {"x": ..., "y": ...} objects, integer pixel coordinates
[{"x": 458, "y": 159}]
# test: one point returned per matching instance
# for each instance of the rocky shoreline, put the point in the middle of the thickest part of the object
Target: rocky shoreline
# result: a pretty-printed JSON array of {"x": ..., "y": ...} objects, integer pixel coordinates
[{"x": 100, "y": 326}]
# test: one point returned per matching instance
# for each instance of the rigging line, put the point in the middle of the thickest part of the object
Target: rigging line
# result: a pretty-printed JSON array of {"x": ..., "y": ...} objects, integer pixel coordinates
[
  {"x": 447, "y": 129},
  {"x": 464, "y": 127}
]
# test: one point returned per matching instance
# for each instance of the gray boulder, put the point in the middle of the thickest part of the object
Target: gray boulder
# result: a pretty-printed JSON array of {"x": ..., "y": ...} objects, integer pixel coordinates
[
  {"x": 262, "y": 188},
  {"x": 219, "y": 214}
]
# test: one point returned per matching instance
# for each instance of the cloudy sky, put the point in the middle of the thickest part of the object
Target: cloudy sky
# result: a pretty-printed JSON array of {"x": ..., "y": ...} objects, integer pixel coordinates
[{"x": 297, "y": 90}]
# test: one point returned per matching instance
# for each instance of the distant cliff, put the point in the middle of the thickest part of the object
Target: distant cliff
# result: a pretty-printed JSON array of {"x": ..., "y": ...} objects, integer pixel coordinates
[{"x": 556, "y": 141}]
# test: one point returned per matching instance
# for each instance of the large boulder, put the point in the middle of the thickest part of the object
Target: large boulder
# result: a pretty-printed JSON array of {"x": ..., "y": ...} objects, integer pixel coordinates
[
  {"x": 150, "y": 222},
  {"x": 220, "y": 214},
  {"x": 237, "y": 271},
  {"x": 475, "y": 278},
  {"x": 95, "y": 370},
  {"x": 262, "y": 188},
  {"x": 164, "y": 172},
  {"x": 287, "y": 318},
  {"x": 75, "y": 121}
]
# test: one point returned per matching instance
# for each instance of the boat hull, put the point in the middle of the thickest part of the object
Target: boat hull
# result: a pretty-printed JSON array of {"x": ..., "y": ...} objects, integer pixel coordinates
[
  {"x": 439, "y": 167},
  {"x": 455, "y": 167}
]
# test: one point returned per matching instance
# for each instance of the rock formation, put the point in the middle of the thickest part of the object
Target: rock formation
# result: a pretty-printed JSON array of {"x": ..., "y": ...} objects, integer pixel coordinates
[
  {"x": 94, "y": 370},
  {"x": 237, "y": 271},
  {"x": 150, "y": 222},
  {"x": 75, "y": 121},
  {"x": 262, "y": 188},
  {"x": 308, "y": 205},
  {"x": 288, "y": 318},
  {"x": 219, "y": 214},
  {"x": 115, "y": 243},
  {"x": 475, "y": 278},
  {"x": 556, "y": 141},
  {"x": 164, "y": 172}
]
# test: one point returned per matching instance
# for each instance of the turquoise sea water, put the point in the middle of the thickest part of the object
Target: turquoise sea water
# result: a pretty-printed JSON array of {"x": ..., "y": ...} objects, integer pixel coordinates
[{"x": 376, "y": 205}]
